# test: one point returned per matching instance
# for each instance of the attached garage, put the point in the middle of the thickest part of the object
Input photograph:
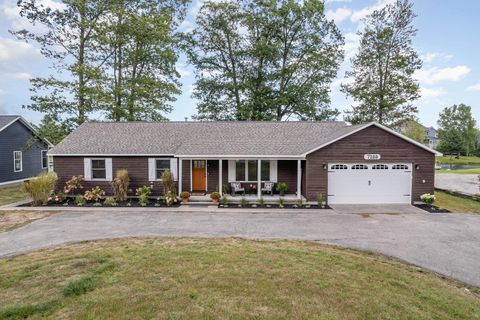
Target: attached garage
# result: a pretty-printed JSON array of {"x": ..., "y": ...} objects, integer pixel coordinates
[{"x": 366, "y": 183}]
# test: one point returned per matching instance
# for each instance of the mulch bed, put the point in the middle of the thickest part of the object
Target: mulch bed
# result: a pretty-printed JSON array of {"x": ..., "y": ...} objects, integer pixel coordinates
[
  {"x": 431, "y": 208},
  {"x": 271, "y": 206},
  {"x": 131, "y": 203}
]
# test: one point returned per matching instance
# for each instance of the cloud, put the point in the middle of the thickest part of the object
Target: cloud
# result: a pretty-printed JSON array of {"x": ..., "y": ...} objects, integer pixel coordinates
[
  {"x": 331, "y": 1},
  {"x": 352, "y": 42},
  {"x": 429, "y": 93},
  {"x": 15, "y": 57},
  {"x": 429, "y": 57},
  {"x": 362, "y": 13},
  {"x": 434, "y": 74},
  {"x": 475, "y": 87},
  {"x": 338, "y": 15},
  {"x": 12, "y": 13},
  {"x": 183, "y": 70}
]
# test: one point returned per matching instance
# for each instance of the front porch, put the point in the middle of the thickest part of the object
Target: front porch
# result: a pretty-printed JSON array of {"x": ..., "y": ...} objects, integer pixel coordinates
[{"x": 251, "y": 175}]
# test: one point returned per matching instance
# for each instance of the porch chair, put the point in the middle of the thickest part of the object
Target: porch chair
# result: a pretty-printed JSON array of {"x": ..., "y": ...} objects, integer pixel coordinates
[
  {"x": 236, "y": 187},
  {"x": 268, "y": 188}
]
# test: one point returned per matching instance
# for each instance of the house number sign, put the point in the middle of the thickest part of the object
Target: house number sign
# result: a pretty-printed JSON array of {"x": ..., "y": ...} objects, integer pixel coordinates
[{"x": 371, "y": 156}]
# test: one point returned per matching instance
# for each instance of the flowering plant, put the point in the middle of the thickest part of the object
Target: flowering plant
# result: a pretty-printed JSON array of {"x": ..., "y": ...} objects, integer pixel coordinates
[
  {"x": 58, "y": 197},
  {"x": 143, "y": 194},
  {"x": 96, "y": 194},
  {"x": 185, "y": 195},
  {"x": 73, "y": 184},
  {"x": 215, "y": 195},
  {"x": 170, "y": 198},
  {"x": 427, "y": 198}
]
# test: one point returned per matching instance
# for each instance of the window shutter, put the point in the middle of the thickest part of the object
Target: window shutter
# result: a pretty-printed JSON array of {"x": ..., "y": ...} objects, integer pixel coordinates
[
  {"x": 108, "y": 169},
  {"x": 231, "y": 170},
  {"x": 151, "y": 169},
  {"x": 87, "y": 169},
  {"x": 273, "y": 170},
  {"x": 173, "y": 168}
]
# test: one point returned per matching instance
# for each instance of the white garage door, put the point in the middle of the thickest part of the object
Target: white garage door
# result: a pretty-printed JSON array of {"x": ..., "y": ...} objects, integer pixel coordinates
[{"x": 350, "y": 183}]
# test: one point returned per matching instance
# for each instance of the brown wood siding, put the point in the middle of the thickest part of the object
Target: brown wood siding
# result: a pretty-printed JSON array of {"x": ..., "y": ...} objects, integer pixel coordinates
[
  {"x": 212, "y": 175},
  {"x": 370, "y": 140},
  {"x": 287, "y": 172},
  {"x": 137, "y": 167}
]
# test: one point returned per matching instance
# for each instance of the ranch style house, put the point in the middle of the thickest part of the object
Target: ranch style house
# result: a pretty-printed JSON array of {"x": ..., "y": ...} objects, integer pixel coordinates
[{"x": 346, "y": 164}]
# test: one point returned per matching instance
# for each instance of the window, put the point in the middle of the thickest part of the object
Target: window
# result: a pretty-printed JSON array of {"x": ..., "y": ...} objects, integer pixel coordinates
[
  {"x": 17, "y": 161},
  {"x": 99, "y": 170},
  {"x": 339, "y": 167},
  {"x": 265, "y": 170},
  {"x": 252, "y": 170},
  {"x": 161, "y": 165},
  {"x": 240, "y": 170},
  {"x": 359, "y": 167},
  {"x": 44, "y": 159},
  {"x": 380, "y": 167},
  {"x": 400, "y": 167},
  {"x": 247, "y": 170}
]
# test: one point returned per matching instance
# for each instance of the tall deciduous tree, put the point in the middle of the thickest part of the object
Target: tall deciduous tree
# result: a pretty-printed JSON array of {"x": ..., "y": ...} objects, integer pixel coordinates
[
  {"x": 456, "y": 131},
  {"x": 68, "y": 39},
  {"x": 414, "y": 130},
  {"x": 382, "y": 70},
  {"x": 140, "y": 41},
  {"x": 264, "y": 60}
]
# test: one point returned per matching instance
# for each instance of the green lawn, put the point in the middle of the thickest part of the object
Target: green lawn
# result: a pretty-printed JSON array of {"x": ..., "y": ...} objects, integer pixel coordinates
[
  {"x": 11, "y": 195},
  {"x": 456, "y": 204},
  {"x": 459, "y": 171},
  {"x": 461, "y": 160},
  {"x": 223, "y": 279}
]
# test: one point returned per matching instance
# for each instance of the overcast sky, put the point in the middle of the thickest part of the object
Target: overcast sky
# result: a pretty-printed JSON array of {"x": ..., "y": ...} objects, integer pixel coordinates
[{"x": 447, "y": 40}]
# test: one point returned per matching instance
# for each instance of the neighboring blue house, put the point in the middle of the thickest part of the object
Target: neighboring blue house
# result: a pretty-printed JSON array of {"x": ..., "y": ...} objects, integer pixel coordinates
[
  {"x": 22, "y": 153},
  {"x": 432, "y": 137}
]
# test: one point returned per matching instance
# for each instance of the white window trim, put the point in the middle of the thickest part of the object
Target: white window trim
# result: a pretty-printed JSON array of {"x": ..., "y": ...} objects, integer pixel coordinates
[
  {"x": 14, "y": 161},
  {"x": 41, "y": 158},
  {"x": 91, "y": 170},
  {"x": 155, "y": 166}
]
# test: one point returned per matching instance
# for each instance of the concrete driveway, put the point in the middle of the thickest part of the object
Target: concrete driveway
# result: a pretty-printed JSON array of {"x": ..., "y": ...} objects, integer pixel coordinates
[{"x": 445, "y": 243}]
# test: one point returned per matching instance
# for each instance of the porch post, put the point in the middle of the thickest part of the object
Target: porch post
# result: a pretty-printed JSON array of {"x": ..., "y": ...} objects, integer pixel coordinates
[
  {"x": 299, "y": 179},
  {"x": 259, "y": 178},
  {"x": 180, "y": 175},
  {"x": 220, "y": 180}
]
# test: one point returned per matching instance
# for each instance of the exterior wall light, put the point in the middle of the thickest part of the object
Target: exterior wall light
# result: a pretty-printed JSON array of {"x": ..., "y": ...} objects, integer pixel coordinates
[
  {"x": 325, "y": 167},
  {"x": 417, "y": 167}
]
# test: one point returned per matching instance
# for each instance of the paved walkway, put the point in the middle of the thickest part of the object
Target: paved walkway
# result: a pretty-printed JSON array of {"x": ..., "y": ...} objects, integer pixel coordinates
[
  {"x": 445, "y": 243},
  {"x": 463, "y": 183}
]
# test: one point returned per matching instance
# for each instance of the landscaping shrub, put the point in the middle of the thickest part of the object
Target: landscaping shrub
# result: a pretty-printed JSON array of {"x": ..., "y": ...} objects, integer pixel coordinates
[
  {"x": 75, "y": 183},
  {"x": 168, "y": 182},
  {"x": 143, "y": 194},
  {"x": 120, "y": 185},
  {"x": 321, "y": 200},
  {"x": 110, "y": 201},
  {"x": 281, "y": 188},
  {"x": 39, "y": 188},
  {"x": 170, "y": 198},
  {"x": 79, "y": 201},
  {"x": 95, "y": 195},
  {"x": 59, "y": 197}
]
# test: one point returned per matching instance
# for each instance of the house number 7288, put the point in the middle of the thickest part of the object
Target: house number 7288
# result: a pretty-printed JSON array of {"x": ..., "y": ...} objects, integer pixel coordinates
[{"x": 371, "y": 156}]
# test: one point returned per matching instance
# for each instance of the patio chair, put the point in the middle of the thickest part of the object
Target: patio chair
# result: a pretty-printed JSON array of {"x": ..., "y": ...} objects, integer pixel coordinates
[
  {"x": 268, "y": 188},
  {"x": 236, "y": 188}
]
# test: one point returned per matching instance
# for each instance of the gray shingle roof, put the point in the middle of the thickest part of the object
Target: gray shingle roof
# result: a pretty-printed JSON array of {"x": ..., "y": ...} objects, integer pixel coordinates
[
  {"x": 200, "y": 138},
  {"x": 4, "y": 120}
]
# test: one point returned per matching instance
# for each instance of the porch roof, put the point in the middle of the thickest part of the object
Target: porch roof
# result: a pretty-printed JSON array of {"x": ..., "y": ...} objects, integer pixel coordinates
[{"x": 195, "y": 139}]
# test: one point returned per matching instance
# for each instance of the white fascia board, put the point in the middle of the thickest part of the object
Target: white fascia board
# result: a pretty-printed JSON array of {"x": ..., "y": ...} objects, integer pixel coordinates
[
  {"x": 418, "y": 144},
  {"x": 108, "y": 155},
  {"x": 240, "y": 157},
  {"x": 9, "y": 124}
]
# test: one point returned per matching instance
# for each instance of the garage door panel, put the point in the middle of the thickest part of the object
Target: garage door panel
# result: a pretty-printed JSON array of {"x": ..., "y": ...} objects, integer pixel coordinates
[{"x": 363, "y": 186}]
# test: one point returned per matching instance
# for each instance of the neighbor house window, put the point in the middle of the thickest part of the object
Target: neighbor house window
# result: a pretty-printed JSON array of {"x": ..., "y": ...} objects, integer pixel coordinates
[
  {"x": 161, "y": 165},
  {"x": 99, "y": 170},
  {"x": 17, "y": 161},
  {"x": 44, "y": 159}
]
